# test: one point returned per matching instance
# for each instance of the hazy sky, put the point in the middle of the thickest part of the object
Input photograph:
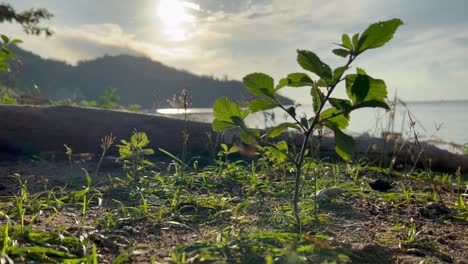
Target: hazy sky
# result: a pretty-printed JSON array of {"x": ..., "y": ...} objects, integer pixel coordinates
[{"x": 426, "y": 60}]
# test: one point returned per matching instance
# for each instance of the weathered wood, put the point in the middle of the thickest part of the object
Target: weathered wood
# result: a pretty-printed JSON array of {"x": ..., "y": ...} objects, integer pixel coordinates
[{"x": 31, "y": 129}]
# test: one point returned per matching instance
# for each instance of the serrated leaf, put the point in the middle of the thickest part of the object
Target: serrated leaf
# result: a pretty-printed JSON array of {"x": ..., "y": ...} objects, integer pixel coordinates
[
  {"x": 361, "y": 88},
  {"x": 346, "y": 41},
  {"x": 259, "y": 84},
  {"x": 311, "y": 62},
  {"x": 262, "y": 104},
  {"x": 225, "y": 109},
  {"x": 334, "y": 119},
  {"x": 317, "y": 98},
  {"x": 249, "y": 137},
  {"x": 377, "y": 34},
  {"x": 344, "y": 145},
  {"x": 279, "y": 129},
  {"x": 341, "y": 52}
]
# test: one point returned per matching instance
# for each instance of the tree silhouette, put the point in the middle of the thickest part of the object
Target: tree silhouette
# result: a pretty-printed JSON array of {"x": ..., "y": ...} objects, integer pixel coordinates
[{"x": 29, "y": 19}]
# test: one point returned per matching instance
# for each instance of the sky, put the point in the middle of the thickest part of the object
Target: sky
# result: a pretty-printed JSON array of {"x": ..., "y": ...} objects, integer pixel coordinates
[{"x": 426, "y": 60}]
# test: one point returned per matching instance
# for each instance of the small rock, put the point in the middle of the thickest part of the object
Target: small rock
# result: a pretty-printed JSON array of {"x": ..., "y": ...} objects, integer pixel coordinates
[
  {"x": 380, "y": 185},
  {"x": 330, "y": 193}
]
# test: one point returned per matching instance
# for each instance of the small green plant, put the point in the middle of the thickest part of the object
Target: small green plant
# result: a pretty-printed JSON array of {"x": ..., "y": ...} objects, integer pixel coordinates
[
  {"x": 362, "y": 90},
  {"x": 132, "y": 154},
  {"x": 7, "y": 99},
  {"x": 87, "y": 195}
]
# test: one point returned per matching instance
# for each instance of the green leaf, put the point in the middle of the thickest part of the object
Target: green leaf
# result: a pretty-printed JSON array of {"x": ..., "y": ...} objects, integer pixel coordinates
[
  {"x": 361, "y": 71},
  {"x": 311, "y": 62},
  {"x": 341, "y": 52},
  {"x": 341, "y": 104},
  {"x": 249, "y": 137},
  {"x": 372, "y": 103},
  {"x": 334, "y": 119},
  {"x": 338, "y": 72},
  {"x": 282, "y": 83},
  {"x": 346, "y": 41},
  {"x": 262, "y": 104},
  {"x": 317, "y": 98},
  {"x": 225, "y": 109},
  {"x": 377, "y": 34},
  {"x": 5, "y": 39},
  {"x": 259, "y": 84},
  {"x": 220, "y": 125},
  {"x": 291, "y": 111},
  {"x": 355, "y": 40},
  {"x": 16, "y": 41},
  {"x": 299, "y": 79},
  {"x": 280, "y": 152},
  {"x": 361, "y": 88},
  {"x": 344, "y": 145},
  {"x": 279, "y": 129},
  {"x": 305, "y": 122}
]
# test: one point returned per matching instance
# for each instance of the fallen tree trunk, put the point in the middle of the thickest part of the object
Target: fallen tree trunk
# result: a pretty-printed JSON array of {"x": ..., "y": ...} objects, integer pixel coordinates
[{"x": 31, "y": 129}]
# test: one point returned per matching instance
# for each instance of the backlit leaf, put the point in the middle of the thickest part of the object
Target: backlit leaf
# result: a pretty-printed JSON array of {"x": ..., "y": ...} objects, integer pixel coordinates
[
  {"x": 346, "y": 42},
  {"x": 299, "y": 79},
  {"x": 224, "y": 109},
  {"x": 377, "y": 34},
  {"x": 259, "y": 84},
  {"x": 334, "y": 118},
  {"x": 341, "y": 52},
  {"x": 279, "y": 129},
  {"x": 249, "y": 137},
  {"x": 344, "y": 145},
  {"x": 362, "y": 88},
  {"x": 262, "y": 104},
  {"x": 311, "y": 62},
  {"x": 317, "y": 98}
]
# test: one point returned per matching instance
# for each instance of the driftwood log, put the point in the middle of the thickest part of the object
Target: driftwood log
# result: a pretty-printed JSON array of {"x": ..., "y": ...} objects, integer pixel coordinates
[{"x": 33, "y": 129}]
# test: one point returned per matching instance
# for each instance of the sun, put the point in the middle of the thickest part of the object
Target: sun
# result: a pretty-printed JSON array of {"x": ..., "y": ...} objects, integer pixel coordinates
[{"x": 176, "y": 19}]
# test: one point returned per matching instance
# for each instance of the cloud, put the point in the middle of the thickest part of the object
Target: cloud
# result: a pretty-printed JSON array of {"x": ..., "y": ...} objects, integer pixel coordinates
[{"x": 251, "y": 36}]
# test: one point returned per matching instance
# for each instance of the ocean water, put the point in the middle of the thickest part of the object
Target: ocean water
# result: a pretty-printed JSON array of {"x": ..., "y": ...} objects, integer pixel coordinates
[{"x": 445, "y": 121}]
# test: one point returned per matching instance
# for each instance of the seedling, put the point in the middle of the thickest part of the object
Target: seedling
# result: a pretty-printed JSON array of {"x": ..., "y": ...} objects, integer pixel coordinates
[{"x": 362, "y": 90}]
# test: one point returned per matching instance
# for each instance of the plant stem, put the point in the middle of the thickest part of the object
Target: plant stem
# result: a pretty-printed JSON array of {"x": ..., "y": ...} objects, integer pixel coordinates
[{"x": 300, "y": 159}]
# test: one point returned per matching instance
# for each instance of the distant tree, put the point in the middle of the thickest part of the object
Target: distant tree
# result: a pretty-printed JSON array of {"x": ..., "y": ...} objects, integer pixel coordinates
[{"x": 29, "y": 19}]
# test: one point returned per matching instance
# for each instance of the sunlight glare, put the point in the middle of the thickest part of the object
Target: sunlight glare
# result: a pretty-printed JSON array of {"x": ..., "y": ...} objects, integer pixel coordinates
[{"x": 176, "y": 19}]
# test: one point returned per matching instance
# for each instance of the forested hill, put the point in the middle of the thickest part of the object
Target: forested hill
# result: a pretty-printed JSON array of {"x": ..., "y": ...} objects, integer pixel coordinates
[{"x": 139, "y": 80}]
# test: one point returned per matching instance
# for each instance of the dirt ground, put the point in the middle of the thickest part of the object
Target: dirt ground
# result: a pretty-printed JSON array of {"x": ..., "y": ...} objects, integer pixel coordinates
[{"x": 371, "y": 229}]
